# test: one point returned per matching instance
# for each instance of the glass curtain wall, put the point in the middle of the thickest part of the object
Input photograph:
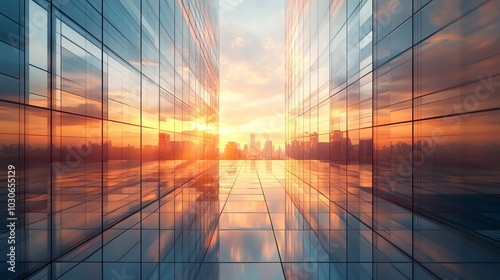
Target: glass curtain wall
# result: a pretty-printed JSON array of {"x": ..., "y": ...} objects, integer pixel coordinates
[
  {"x": 109, "y": 114},
  {"x": 392, "y": 112}
]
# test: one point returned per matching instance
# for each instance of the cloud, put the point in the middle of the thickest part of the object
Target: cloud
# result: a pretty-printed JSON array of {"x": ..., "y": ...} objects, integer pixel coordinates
[
  {"x": 251, "y": 66},
  {"x": 228, "y": 5},
  {"x": 252, "y": 74},
  {"x": 450, "y": 9}
]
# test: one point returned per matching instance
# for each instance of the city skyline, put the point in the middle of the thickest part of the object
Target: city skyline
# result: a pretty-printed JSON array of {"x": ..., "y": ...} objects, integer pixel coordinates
[
  {"x": 257, "y": 139},
  {"x": 252, "y": 150}
]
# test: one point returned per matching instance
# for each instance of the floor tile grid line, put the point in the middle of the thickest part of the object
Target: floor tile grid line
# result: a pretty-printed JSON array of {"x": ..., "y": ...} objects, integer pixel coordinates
[
  {"x": 303, "y": 225},
  {"x": 272, "y": 226},
  {"x": 220, "y": 213}
]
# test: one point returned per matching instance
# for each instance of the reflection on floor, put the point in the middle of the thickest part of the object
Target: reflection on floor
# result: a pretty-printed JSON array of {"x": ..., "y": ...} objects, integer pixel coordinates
[
  {"x": 251, "y": 240},
  {"x": 234, "y": 221}
]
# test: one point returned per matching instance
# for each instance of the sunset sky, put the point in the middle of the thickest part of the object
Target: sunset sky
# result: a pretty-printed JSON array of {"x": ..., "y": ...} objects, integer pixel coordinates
[{"x": 252, "y": 71}]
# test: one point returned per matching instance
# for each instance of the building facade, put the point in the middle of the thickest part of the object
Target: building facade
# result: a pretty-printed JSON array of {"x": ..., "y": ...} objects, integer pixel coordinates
[
  {"x": 231, "y": 151},
  {"x": 392, "y": 110},
  {"x": 109, "y": 116},
  {"x": 268, "y": 149}
]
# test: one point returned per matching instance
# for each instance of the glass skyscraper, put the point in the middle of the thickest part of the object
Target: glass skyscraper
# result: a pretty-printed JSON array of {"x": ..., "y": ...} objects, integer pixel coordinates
[
  {"x": 109, "y": 126},
  {"x": 393, "y": 143}
]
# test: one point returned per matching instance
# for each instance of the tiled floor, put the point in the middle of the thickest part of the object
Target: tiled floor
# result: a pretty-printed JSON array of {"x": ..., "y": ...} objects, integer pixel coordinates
[{"x": 255, "y": 238}]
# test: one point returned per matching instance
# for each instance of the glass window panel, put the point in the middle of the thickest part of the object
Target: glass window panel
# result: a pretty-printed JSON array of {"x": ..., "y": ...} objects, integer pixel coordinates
[
  {"x": 393, "y": 91},
  {"x": 122, "y": 185},
  {"x": 394, "y": 44},
  {"x": 150, "y": 103},
  {"x": 38, "y": 36},
  {"x": 150, "y": 165},
  {"x": 389, "y": 14},
  {"x": 393, "y": 184},
  {"x": 76, "y": 180},
  {"x": 10, "y": 88},
  {"x": 10, "y": 60},
  {"x": 456, "y": 194},
  {"x": 38, "y": 83},
  {"x": 37, "y": 186},
  {"x": 338, "y": 61}
]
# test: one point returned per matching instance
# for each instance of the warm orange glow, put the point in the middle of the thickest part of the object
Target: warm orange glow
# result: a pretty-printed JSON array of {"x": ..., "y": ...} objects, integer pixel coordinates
[{"x": 252, "y": 65}]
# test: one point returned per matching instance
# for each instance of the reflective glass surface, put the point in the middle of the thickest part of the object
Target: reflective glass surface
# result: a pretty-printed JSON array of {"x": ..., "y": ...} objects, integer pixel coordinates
[
  {"x": 110, "y": 119},
  {"x": 397, "y": 175}
]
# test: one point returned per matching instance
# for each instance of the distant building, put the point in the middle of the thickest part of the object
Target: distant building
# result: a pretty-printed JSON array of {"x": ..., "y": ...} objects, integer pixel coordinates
[
  {"x": 252, "y": 149},
  {"x": 268, "y": 149},
  {"x": 279, "y": 154},
  {"x": 231, "y": 151},
  {"x": 244, "y": 153}
]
